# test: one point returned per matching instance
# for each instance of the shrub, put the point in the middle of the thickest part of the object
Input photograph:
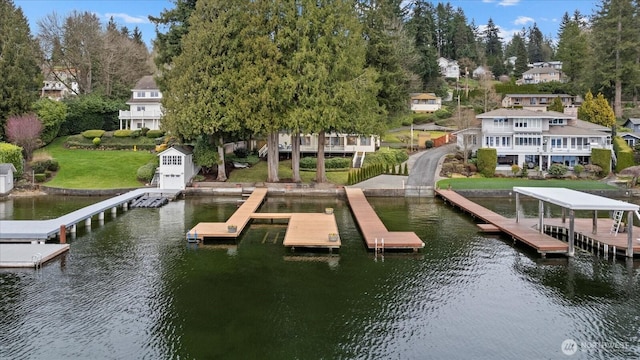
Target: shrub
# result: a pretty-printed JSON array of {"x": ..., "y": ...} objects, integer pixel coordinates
[
  {"x": 406, "y": 122},
  {"x": 96, "y": 141},
  {"x": 487, "y": 161},
  {"x": 10, "y": 153},
  {"x": 144, "y": 131},
  {"x": 135, "y": 134},
  {"x": 428, "y": 144},
  {"x": 515, "y": 169},
  {"x": 42, "y": 162},
  {"x": 90, "y": 134},
  {"x": 241, "y": 152},
  {"x": 624, "y": 154},
  {"x": 578, "y": 169},
  {"x": 154, "y": 134},
  {"x": 337, "y": 163},
  {"x": 601, "y": 158},
  {"x": 122, "y": 133},
  {"x": 40, "y": 177},
  {"x": 557, "y": 169},
  {"x": 442, "y": 114},
  {"x": 145, "y": 172},
  {"x": 593, "y": 168},
  {"x": 308, "y": 163},
  {"x": 423, "y": 118}
]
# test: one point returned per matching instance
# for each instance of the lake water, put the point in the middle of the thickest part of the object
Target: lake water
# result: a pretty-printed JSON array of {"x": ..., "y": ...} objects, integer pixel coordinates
[{"x": 132, "y": 288}]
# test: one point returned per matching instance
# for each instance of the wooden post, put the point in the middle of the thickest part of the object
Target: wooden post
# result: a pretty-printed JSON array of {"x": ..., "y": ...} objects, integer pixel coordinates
[
  {"x": 540, "y": 216},
  {"x": 517, "y": 207},
  {"x": 629, "y": 234},
  {"x": 571, "y": 232},
  {"x": 63, "y": 234},
  {"x": 594, "y": 222}
]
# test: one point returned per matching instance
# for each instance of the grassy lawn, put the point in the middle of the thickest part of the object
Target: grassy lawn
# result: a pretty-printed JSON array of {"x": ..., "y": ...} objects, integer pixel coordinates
[
  {"x": 509, "y": 183},
  {"x": 95, "y": 169},
  {"x": 258, "y": 173}
]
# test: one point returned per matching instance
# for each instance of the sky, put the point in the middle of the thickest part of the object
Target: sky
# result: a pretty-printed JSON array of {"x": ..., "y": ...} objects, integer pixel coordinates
[{"x": 509, "y": 15}]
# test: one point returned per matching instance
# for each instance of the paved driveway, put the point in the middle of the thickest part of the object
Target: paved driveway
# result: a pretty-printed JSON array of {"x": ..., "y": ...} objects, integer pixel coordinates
[{"x": 423, "y": 165}]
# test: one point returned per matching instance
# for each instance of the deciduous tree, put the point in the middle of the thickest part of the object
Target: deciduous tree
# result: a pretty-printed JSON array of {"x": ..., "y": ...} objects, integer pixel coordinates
[{"x": 24, "y": 131}]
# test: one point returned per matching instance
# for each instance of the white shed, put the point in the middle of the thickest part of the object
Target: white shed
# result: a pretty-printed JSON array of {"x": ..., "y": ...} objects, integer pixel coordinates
[
  {"x": 176, "y": 168},
  {"x": 6, "y": 177}
]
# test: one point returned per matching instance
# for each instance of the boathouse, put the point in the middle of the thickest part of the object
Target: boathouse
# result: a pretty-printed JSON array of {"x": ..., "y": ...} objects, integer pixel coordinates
[
  {"x": 176, "y": 168},
  {"x": 6, "y": 177}
]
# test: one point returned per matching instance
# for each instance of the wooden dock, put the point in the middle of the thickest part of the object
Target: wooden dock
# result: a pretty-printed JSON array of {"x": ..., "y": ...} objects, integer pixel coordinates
[
  {"x": 239, "y": 219},
  {"x": 309, "y": 230},
  {"x": 526, "y": 230},
  {"x": 375, "y": 233}
]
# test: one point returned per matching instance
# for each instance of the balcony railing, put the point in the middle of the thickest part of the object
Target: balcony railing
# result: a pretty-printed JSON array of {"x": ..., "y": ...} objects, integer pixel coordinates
[{"x": 140, "y": 115}]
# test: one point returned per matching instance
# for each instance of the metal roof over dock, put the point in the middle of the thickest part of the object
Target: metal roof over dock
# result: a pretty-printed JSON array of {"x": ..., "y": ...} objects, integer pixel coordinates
[{"x": 575, "y": 200}]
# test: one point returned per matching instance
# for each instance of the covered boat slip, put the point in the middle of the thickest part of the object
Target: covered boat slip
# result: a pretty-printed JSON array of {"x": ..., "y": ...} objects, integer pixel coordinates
[{"x": 571, "y": 201}]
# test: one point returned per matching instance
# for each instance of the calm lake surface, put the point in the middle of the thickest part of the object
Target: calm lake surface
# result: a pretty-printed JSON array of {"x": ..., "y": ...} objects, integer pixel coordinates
[{"x": 132, "y": 288}]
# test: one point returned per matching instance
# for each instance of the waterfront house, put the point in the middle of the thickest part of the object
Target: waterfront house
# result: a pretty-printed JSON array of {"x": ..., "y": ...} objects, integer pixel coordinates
[
  {"x": 538, "y": 138},
  {"x": 145, "y": 107},
  {"x": 535, "y": 102},
  {"x": 481, "y": 72},
  {"x": 6, "y": 177},
  {"x": 176, "y": 168},
  {"x": 334, "y": 143},
  {"x": 540, "y": 75},
  {"x": 633, "y": 124},
  {"x": 632, "y": 139},
  {"x": 425, "y": 102}
]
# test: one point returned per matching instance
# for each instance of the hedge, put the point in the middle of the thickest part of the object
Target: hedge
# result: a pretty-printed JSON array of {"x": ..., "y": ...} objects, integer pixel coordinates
[
  {"x": 386, "y": 156},
  {"x": 624, "y": 154},
  {"x": 122, "y": 133},
  {"x": 154, "y": 133},
  {"x": 601, "y": 158},
  {"x": 146, "y": 171},
  {"x": 91, "y": 134},
  {"x": 42, "y": 164},
  {"x": 40, "y": 177},
  {"x": 487, "y": 161},
  {"x": 329, "y": 163},
  {"x": 10, "y": 153}
]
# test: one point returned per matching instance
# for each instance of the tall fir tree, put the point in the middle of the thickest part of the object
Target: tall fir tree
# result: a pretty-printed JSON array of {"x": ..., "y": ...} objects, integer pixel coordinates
[
  {"x": 573, "y": 51},
  {"x": 19, "y": 64}
]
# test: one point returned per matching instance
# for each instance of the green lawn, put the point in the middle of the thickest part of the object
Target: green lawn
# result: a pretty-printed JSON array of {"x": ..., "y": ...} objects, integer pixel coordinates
[
  {"x": 509, "y": 183},
  {"x": 95, "y": 169},
  {"x": 258, "y": 173}
]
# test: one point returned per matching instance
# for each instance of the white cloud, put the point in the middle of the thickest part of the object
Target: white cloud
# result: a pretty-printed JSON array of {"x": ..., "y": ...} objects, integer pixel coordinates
[
  {"x": 488, "y": 1},
  {"x": 128, "y": 19},
  {"x": 508, "y": 2},
  {"x": 523, "y": 20}
]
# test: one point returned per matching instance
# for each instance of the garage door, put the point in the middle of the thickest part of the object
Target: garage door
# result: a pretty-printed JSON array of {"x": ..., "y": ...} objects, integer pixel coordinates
[{"x": 172, "y": 181}]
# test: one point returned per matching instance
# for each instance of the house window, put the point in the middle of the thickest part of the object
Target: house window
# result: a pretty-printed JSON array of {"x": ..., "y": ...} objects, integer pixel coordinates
[
  {"x": 140, "y": 94},
  {"x": 556, "y": 122},
  {"x": 171, "y": 160},
  {"x": 365, "y": 140},
  {"x": 352, "y": 140},
  {"x": 140, "y": 108},
  {"x": 305, "y": 140},
  {"x": 139, "y": 125},
  {"x": 415, "y": 101},
  {"x": 500, "y": 123},
  {"x": 155, "y": 94}
]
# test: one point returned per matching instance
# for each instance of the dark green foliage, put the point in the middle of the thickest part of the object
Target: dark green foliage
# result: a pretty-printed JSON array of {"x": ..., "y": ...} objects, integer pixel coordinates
[
  {"x": 90, "y": 112},
  {"x": 601, "y": 158},
  {"x": 423, "y": 118},
  {"x": 40, "y": 177},
  {"x": 10, "y": 153},
  {"x": 525, "y": 171},
  {"x": 51, "y": 114},
  {"x": 154, "y": 134},
  {"x": 241, "y": 152},
  {"x": 428, "y": 144},
  {"x": 406, "y": 169},
  {"x": 144, "y": 131},
  {"x": 135, "y": 134},
  {"x": 42, "y": 164},
  {"x": 19, "y": 64},
  {"x": 578, "y": 169},
  {"x": 487, "y": 161},
  {"x": 624, "y": 154},
  {"x": 386, "y": 156},
  {"x": 145, "y": 172},
  {"x": 91, "y": 134},
  {"x": 442, "y": 114},
  {"x": 556, "y": 105}
]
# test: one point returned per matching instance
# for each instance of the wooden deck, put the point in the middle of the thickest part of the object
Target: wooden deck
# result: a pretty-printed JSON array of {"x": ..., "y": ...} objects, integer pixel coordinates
[
  {"x": 240, "y": 219},
  {"x": 311, "y": 230},
  {"x": 372, "y": 228},
  {"x": 522, "y": 232}
]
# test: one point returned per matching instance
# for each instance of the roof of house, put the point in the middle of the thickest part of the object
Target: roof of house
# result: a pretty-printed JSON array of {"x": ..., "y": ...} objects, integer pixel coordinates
[
  {"x": 182, "y": 149},
  {"x": 541, "y": 70},
  {"x": 629, "y": 134},
  {"x": 6, "y": 167},
  {"x": 572, "y": 130},
  {"x": 634, "y": 121},
  {"x": 424, "y": 96},
  {"x": 589, "y": 125},
  {"x": 522, "y": 113},
  {"x": 146, "y": 83}
]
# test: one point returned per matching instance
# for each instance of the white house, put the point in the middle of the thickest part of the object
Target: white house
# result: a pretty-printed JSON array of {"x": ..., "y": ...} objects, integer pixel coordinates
[
  {"x": 425, "y": 102},
  {"x": 449, "y": 68},
  {"x": 538, "y": 75},
  {"x": 6, "y": 177},
  {"x": 481, "y": 72},
  {"x": 145, "y": 108},
  {"x": 538, "y": 139},
  {"x": 59, "y": 83},
  {"x": 176, "y": 168},
  {"x": 536, "y": 102},
  {"x": 334, "y": 143}
]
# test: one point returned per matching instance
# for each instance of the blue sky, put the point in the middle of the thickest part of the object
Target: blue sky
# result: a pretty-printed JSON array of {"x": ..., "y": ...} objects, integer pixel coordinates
[{"x": 508, "y": 15}]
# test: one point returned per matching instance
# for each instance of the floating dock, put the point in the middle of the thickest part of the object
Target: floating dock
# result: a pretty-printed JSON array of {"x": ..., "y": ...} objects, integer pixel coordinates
[
  {"x": 29, "y": 255},
  {"x": 27, "y": 231},
  {"x": 527, "y": 231},
  {"x": 375, "y": 233},
  {"x": 308, "y": 230}
]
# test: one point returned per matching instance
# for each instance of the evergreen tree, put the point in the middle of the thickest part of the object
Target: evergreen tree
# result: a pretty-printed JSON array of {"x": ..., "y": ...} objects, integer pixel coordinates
[
  {"x": 21, "y": 77},
  {"x": 421, "y": 26},
  {"x": 518, "y": 49},
  {"x": 572, "y": 50},
  {"x": 616, "y": 45},
  {"x": 493, "y": 49},
  {"x": 556, "y": 105},
  {"x": 535, "y": 45}
]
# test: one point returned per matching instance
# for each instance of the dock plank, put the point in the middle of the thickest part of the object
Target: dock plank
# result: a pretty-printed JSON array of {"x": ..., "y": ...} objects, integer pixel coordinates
[
  {"x": 312, "y": 230},
  {"x": 372, "y": 228}
]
